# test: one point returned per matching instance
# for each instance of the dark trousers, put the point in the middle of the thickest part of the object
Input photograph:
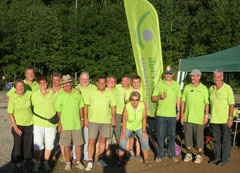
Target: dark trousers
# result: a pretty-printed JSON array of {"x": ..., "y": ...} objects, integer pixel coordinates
[
  {"x": 166, "y": 126},
  {"x": 221, "y": 135},
  {"x": 23, "y": 145}
]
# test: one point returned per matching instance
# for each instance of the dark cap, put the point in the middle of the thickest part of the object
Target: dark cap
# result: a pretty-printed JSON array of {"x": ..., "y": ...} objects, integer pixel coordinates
[{"x": 168, "y": 70}]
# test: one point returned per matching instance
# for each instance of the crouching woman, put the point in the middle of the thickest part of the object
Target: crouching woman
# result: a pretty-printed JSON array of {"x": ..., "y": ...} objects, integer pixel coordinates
[{"x": 134, "y": 120}]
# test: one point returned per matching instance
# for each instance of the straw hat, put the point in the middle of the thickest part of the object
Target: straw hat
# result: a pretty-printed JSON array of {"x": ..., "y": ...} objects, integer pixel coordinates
[{"x": 66, "y": 78}]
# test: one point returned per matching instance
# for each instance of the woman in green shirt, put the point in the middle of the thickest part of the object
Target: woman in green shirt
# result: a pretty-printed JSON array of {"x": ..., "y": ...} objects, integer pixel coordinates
[
  {"x": 20, "y": 114},
  {"x": 43, "y": 102},
  {"x": 134, "y": 120}
]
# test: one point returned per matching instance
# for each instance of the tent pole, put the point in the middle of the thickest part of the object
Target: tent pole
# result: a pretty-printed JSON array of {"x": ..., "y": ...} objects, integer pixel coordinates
[
  {"x": 178, "y": 76},
  {"x": 182, "y": 80}
]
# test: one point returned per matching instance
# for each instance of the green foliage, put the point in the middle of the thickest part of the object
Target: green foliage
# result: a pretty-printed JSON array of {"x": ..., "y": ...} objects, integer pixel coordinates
[{"x": 55, "y": 36}]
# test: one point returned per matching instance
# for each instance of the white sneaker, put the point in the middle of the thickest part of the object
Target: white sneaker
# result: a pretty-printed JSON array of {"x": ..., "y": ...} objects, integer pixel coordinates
[
  {"x": 102, "y": 163},
  {"x": 198, "y": 159},
  {"x": 132, "y": 155},
  {"x": 188, "y": 157},
  {"x": 89, "y": 166},
  {"x": 67, "y": 166},
  {"x": 36, "y": 167}
]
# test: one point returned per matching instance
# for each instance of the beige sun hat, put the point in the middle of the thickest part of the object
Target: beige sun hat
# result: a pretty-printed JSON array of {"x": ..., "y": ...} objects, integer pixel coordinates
[{"x": 66, "y": 78}]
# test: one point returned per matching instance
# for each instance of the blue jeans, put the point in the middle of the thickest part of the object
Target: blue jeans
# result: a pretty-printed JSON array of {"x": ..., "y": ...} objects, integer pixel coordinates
[
  {"x": 143, "y": 141},
  {"x": 166, "y": 124},
  {"x": 221, "y": 131}
]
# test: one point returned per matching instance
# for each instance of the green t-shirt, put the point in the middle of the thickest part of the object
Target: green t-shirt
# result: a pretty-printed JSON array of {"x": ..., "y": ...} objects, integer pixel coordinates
[
  {"x": 115, "y": 95},
  {"x": 220, "y": 100},
  {"x": 57, "y": 91},
  {"x": 134, "y": 119},
  {"x": 43, "y": 106},
  {"x": 69, "y": 106},
  {"x": 27, "y": 87},
  {"x": 167, "y": 107},
  {"x": 21, "y": 108},
  {"x": 195, "y": 99},
  {"x": 99, "y": 106},
  {"x": 129, "y": 91},
  {"x": 85, "y": 91},
  {"x": 121, "y": 98}
]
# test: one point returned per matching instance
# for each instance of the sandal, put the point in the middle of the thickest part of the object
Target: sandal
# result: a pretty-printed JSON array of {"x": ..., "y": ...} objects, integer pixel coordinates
[{"x": 146, "y": 162}]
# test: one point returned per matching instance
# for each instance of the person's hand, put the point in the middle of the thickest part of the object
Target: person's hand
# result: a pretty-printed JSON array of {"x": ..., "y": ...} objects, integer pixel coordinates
[
  {"x": 229, "y": 123},
  {"x": 163, "y": 96},
  {"x": 122, "y": 137},
  {"x": 52, "y": 90},
  {"x": 178, "y": 115},
  {"x": 182, "y": 119},
  {"x": 60, "y": 128},
  {"x": 86, "y": 123},
  {"x": 205, "y": 120},
  {"x": 145, "y": 135},
  {"x": 18, "y": 131},
  {"x": 78, "y": 90},
  {"x": 113, "y": 122}
]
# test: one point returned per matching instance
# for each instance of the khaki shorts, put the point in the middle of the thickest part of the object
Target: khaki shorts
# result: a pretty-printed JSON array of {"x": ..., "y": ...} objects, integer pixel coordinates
[
  {"x": 68, "y": 136},
  {"x": 194, "y": 131},
  {"x": 97, "y": 129},
  {"x": 110, "y": 139}
]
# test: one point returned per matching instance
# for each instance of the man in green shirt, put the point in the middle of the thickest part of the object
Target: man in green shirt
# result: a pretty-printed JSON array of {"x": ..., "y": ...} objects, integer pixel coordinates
[
  {"x": 56, "y": 82},
  {"x": 69, "y": 106},
  {"x": 194, "y": 107},
  {"x": 122, "y": 88},
  {"x": 97, "y": 118},
  {"x": 222, "y": 107},
  {"x": 111, "y": 86},
  {"x": 85, "y": 88},
  {"x": 167, "y": 93},
  {"x": 30, "y": 84}
]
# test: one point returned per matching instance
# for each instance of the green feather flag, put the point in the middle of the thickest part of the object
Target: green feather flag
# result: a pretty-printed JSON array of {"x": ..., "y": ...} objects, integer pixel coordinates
[{"x": 145, "y": 37}]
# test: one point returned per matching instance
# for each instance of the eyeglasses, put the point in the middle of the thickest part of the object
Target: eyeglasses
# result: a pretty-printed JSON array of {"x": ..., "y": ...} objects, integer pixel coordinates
[{"x": 134, "y": 99}]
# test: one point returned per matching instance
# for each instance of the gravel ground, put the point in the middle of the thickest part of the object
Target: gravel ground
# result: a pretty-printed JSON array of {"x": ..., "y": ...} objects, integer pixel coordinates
[{"x": 6, "y": 143}]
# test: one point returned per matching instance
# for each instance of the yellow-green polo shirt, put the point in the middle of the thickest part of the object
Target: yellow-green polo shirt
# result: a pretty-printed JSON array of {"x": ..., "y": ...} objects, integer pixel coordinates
[
  {"x": 27, "y": 87},
  {"x": 134, "y": 119},
  {"x": 167, "y": 106},
  {"x": 43, "y": 106},
  {"x": 100, "y": 106},
  {"x": 220, "y": 100},
  {"x": 115, "y": 95},
  {"x": 85, "y": 91},
  {"x": 57, "y": 91},
  {"x": 195, "y": 99},
  {"x": 69, "y": 106},
  {"x": 21, "y": 108},
  {"x": 128, "y": 93},
  {"x": 121, "y": 98}
]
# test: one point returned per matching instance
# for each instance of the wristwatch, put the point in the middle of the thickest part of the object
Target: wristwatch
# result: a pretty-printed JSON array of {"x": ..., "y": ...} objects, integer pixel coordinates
[{"x": 229, "y": 118}]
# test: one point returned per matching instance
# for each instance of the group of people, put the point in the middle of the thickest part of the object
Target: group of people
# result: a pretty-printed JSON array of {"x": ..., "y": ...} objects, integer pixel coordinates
[{"x": 87, "y": 116}]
